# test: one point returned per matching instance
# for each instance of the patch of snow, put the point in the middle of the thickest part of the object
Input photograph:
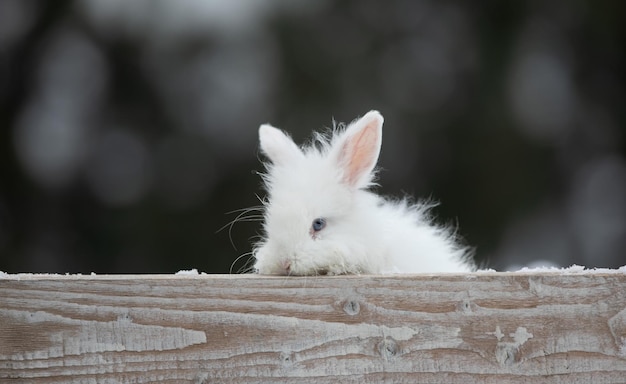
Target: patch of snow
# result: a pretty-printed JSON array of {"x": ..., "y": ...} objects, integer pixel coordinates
[
  {"x": 572, "y": 269},
  {"x": 193, "y": 271},
  {"x": 521, "y": 335},
  {"x": 498, "y": 333}
]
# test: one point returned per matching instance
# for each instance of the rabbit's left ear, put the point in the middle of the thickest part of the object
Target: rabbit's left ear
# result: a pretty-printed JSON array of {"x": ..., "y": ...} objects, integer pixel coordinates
[
  {"x": 277, "y": 145},
  {"x": 358, "y": 149}
]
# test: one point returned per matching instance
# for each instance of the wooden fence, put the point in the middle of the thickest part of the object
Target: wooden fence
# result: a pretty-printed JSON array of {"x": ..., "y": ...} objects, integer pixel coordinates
[{"x": 469, "y": 328}]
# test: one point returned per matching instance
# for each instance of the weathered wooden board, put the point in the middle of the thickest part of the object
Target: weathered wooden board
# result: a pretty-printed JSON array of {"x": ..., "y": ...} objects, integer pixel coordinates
[{"x": 472, "y": 328}]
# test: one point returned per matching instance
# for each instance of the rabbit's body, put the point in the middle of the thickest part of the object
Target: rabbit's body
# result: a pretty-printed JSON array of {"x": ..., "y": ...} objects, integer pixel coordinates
[{"x": 321, "y": 219}]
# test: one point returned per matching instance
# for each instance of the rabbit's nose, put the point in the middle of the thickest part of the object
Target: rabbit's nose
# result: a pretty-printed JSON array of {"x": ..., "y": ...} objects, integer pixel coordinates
[{"x": 286, "y": 264}]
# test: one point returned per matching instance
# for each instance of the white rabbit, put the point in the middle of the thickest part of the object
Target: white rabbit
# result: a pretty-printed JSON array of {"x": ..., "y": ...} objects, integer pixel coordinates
[{"x": 320, "y": 218}]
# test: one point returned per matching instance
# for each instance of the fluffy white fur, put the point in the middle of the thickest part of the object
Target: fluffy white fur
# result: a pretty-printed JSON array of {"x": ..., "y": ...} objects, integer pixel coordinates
[{"x": 364, "y": 232}]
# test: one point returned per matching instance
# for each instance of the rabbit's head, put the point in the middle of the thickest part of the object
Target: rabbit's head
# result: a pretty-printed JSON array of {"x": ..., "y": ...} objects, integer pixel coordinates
[{"x": 316, "y": 213}]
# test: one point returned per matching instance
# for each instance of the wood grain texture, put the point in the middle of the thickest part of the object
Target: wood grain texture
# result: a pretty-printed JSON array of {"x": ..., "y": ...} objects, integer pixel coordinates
[{"x": 471, "y": 328}]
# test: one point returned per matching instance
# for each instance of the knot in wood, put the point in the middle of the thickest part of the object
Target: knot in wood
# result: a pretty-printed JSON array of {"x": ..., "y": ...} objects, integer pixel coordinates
[
  {"x": 507, "y": 354},
  {"x": 351, "y": 307},
  {"x": 465, "y": 306},
  {"x": 286, "y": 359},
  {"x": 388, "y": 348}
]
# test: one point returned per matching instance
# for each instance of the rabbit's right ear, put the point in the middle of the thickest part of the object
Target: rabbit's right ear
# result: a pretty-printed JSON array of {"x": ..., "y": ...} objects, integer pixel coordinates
[
  {"x": 277, "y": 146},
  {"x": 358, "y": 149}
]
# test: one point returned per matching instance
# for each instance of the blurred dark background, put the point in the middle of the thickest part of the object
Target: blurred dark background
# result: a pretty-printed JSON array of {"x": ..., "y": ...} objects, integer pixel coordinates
[{"x": 129, "y": 128}]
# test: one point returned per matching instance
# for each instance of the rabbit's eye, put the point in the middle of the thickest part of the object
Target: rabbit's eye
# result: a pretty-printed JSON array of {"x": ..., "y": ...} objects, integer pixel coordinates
[{"x": 318, "y": 224}]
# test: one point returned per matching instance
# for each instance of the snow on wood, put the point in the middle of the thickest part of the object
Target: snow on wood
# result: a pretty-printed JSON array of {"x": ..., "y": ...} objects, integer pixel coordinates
[{"x": 485, "y": 327}]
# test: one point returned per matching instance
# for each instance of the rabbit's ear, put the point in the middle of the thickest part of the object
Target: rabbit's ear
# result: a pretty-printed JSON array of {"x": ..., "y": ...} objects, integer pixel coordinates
[
  {"x": 358, "y": 149},
  {"x": 276, "y": 145}
]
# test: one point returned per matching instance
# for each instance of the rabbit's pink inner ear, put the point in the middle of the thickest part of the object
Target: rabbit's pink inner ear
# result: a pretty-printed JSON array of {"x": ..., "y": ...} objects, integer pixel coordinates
[{"x": 360, "y": 150}]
